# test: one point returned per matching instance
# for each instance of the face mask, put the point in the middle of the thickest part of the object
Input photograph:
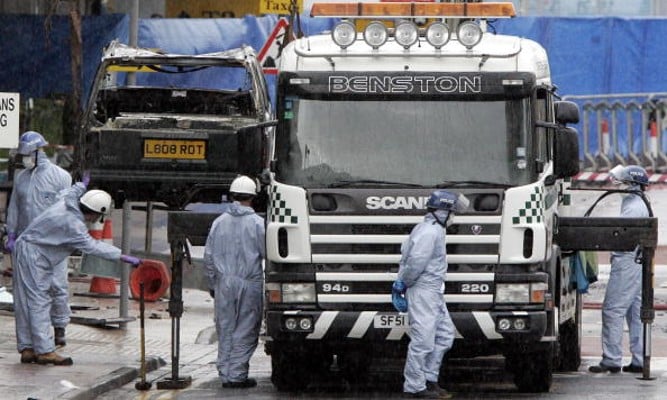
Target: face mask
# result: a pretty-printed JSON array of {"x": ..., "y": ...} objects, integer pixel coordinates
[
  {"x": 29, "y": 162},
  {"x": 441, "y": 216}
]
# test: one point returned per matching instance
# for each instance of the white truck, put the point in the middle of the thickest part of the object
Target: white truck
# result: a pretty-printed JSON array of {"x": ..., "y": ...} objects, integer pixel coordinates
[{"x": 369, "y": 124}]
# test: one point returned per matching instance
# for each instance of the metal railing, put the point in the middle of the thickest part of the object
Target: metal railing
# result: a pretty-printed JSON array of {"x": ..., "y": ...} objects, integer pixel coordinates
[{"x": 622, "y": 129}]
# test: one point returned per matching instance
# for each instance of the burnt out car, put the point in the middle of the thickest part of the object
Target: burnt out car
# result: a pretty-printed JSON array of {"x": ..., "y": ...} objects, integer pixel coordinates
[{"x": 174, "y": 128}]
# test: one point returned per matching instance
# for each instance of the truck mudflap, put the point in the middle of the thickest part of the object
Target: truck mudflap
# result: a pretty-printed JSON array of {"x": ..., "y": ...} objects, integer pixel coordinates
[{"x": 338, "y": 326}]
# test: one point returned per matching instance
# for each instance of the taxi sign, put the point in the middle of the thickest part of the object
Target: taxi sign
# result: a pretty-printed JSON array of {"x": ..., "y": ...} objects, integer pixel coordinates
[{"x": 175, "y": 149}]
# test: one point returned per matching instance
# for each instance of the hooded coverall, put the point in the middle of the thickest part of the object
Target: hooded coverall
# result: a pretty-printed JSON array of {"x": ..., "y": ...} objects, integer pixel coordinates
[
  {"x": 623, "y": 297},
  {"x": 49, "y": 239},
  {"x": 233, "y": 257},
  {"x": 423, "y": 267},
  {"x": 34, "y": 190}
]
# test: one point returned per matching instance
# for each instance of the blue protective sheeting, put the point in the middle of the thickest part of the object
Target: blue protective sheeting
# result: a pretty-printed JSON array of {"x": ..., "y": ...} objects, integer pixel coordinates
[
  {"x": 35, "y": 51},
  {"x": 598, "y": 55},
  {"x": 588, "y": 55}
]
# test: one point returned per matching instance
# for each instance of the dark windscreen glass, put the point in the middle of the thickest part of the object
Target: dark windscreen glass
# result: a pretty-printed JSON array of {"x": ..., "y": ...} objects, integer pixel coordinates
[{"x": 424, "y": 142}]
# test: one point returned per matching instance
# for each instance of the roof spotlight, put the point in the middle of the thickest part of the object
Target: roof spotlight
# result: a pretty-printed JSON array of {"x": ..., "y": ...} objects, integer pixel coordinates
[
  {"x": 375, "y": 34},
  {"x": 469, "y": 34},
  {"x": 344, "y": 34},
  {"x": 406, "y": 34},
  {"x": 437, "y": 34}
]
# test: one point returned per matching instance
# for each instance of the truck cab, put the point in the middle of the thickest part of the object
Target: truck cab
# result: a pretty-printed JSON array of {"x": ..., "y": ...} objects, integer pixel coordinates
[{"x": 372, "y": 118}]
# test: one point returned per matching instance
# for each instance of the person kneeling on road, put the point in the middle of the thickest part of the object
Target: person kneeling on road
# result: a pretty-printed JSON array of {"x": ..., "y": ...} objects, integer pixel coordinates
[{"x": 47, "y": 241}]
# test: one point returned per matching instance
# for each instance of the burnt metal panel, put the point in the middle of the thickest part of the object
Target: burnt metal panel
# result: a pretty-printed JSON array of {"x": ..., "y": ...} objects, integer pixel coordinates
[
  {"x": 191, "y": 225},
  {"x": 606, "y": 234}
]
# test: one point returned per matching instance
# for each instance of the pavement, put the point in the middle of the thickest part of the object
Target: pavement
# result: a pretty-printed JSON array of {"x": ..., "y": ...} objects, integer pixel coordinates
[{"x": 107, "y": 358}]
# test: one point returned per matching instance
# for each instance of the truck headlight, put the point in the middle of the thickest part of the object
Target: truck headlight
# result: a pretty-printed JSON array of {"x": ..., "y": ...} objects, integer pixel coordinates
[
  {"x": 512, "y": 293},
  {"x": 522, "y": 293},
  {"x": 298, "y": 292},
  {"x": 344, "y": 34}
]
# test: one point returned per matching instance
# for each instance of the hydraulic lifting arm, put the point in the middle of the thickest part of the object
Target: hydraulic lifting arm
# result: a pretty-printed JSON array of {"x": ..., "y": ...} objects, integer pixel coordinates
[{"x": 618, "y": 234}]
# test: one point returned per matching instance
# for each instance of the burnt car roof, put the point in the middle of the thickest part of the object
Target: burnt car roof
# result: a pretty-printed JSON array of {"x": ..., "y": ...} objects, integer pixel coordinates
[{"x": 117, "y": 53}]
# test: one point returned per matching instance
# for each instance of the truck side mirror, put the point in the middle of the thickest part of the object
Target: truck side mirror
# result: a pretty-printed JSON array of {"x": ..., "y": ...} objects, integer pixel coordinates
[
  {"x": 566, "y": 152},
  {"x": 566, "y": 112}
]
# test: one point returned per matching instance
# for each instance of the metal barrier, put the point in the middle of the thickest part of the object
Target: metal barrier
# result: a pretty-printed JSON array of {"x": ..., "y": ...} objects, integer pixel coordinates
[{"x": 623, "y": 129}]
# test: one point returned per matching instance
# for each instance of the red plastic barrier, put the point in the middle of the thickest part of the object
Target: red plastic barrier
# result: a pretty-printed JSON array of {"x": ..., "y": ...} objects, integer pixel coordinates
[{"x": 155, "y": 276}]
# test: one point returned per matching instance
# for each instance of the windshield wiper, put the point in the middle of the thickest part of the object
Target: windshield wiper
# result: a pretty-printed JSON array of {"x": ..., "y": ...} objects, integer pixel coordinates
[
  {"x": 449, "y": 184},
  {"x": 344, "y": 183}
]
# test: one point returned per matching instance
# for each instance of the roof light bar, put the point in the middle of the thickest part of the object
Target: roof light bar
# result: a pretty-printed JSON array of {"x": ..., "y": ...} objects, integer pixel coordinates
[{"x": 414, "y": 10}]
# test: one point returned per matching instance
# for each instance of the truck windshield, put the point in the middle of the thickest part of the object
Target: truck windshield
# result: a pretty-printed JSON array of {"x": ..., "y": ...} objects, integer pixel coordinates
[{"x": 425, "y": 143}]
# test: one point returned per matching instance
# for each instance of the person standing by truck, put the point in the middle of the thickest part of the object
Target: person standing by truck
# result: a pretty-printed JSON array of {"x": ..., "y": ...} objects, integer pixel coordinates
[
  {"x": 421, "y": 276},
  {"x": 233, "y": 260},
  {"x": 623, "y": 296},
  {"x": 35, "y": 188}
]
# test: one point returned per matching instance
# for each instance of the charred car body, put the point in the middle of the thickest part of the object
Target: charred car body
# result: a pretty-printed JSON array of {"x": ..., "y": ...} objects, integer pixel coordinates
[{"x": 174, "y": 128}]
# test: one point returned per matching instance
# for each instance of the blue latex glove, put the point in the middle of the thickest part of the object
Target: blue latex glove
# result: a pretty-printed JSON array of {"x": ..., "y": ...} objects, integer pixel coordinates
[
  {"x": 135, "y": 261},
  {"x": 399, "y": 301},
  {"x": 85, "y": 178},
  {"x": 11, "y": 242},
  {"x": 399, "y": 287}
]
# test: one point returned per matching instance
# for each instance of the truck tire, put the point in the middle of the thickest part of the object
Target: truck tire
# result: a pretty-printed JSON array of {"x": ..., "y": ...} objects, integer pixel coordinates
[
  {"x": 294, "y": 370},
  {"x": 287, "y": 374},
  {"x": 569, "y": 341},
  {"x": 533, "y": 371}
]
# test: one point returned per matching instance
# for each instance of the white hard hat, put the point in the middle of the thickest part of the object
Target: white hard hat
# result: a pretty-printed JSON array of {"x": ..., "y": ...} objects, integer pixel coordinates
[
  {"x": 243, "y": 185},
  {"x": 96, "y": 200}
]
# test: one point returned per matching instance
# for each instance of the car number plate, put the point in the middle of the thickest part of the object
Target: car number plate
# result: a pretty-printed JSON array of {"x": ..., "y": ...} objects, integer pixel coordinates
[
  {"x": 390, "y": 321},
  {"x": 179, "y": 149}
]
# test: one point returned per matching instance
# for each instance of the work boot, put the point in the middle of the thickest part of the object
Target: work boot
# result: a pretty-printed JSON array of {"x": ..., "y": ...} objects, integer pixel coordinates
[
  {"x": 247, "y": 383},
  {"x": 53, "y": 358},
  {"x": 635, "y": 369},
  {"x": 59, "y": 336},
  {"x": 601, "y": 368},
  {"x": 436, "y": 388},
  {"x": 424, "y": 394},
  {"x": 28, "y": 356}
]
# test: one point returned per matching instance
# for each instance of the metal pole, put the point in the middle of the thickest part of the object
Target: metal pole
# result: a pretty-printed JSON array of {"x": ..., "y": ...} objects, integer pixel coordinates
[
  {"x": 134, "y": 35},
  {"x": 148, "y": 244},
  {"x": 647, "y": 311},
  {"x": 178, "y": 251},
  {"x": 124, "y": 268}
]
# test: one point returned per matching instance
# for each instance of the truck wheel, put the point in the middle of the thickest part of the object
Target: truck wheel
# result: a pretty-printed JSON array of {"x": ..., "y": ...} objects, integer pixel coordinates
[
  {"x": 292, "y": 371},
  {"x": 570, "y": 347},
  {"x": 354, "y": 366},
  {"x": 286, "y": 373},
  {"x": 533, "y": 371}
]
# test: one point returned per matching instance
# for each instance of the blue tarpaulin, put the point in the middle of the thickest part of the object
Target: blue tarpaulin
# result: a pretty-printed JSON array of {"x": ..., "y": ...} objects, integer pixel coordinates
[{"x": 587, "y": 55}]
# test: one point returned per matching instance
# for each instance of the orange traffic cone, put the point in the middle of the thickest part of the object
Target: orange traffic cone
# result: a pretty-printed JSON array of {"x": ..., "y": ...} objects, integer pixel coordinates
[{"x": 99, "y": 284}]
